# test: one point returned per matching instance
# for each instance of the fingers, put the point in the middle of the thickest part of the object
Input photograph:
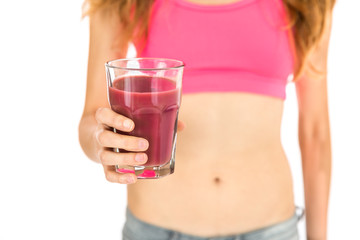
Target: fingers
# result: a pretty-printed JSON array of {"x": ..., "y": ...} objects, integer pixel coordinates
[
  {"x": 115, "y": 177},
  {"x": 110, "y": 139},
  {"x": 108, "y": 157},
  {"x": 112, "y": 119}
]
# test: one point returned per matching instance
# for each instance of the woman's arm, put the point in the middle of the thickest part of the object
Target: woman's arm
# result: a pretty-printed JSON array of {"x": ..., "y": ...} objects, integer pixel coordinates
[
  {"x": 96, "y": 136},
  {"x": 314, "y": 139},
  {"x": 104, "y": 31},
  {"x": 95, "y": 129}
]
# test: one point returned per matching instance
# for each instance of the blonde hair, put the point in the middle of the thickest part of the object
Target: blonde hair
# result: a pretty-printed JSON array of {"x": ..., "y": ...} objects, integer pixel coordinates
[{"x": 306, "y": 18}]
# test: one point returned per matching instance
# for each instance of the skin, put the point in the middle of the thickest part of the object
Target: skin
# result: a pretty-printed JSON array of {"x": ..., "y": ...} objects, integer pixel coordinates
[{"x": 231, "y": 173}]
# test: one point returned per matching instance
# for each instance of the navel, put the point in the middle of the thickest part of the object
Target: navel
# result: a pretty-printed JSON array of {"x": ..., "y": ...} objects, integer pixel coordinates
[{"x": 217, "y": 180}]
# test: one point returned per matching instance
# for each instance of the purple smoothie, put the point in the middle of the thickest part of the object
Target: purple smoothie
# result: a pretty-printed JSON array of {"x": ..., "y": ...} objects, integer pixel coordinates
[{"x": 153, "y": 104}]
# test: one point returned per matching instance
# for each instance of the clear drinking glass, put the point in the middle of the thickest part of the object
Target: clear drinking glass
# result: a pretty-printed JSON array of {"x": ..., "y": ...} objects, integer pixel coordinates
[{"x": 148, "y": 91}]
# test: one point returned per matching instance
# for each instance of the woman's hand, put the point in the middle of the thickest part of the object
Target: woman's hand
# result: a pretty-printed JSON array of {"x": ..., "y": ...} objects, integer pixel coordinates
[{"x": 106, "y": 140}]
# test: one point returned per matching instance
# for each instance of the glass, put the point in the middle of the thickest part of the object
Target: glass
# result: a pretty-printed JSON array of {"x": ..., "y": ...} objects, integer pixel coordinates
[{"x": 148, "y": 91}]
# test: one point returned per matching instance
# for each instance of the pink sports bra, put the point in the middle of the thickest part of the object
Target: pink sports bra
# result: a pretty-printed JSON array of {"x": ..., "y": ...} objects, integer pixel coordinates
[{"x": 236, "y": 47}]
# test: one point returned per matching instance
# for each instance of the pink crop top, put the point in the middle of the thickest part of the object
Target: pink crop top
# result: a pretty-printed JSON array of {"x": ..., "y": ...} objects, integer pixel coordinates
[{"x": 236, "y": 47}]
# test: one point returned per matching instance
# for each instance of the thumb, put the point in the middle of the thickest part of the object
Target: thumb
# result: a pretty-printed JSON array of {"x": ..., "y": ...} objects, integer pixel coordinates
[{"x": 180, "y": 126}]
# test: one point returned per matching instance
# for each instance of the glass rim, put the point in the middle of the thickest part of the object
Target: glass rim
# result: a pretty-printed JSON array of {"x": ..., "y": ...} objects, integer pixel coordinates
[{"x": 181, "y": 64}]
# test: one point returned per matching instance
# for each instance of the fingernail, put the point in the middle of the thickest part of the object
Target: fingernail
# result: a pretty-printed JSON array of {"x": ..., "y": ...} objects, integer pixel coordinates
[
  {"x": 130, "y": 179},
  {"x": 143, "y": 144},
  {"x": 127, "y": 124},
  {"x": 140, "y": 157}
]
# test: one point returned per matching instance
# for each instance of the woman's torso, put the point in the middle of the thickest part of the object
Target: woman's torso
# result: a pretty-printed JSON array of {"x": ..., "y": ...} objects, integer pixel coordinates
[{"x": 231, "y": 173}]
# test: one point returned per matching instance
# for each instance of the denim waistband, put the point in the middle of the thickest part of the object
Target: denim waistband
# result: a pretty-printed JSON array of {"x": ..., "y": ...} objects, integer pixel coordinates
[{"x": 135, "y": 229}]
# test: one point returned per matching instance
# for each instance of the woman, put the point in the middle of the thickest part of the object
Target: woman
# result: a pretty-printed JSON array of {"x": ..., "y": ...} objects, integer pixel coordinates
[{"x": 232, "y": 178}]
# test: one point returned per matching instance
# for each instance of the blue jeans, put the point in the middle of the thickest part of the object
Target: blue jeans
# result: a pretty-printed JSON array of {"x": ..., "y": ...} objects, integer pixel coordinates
[{"x": 135, "y": 229}]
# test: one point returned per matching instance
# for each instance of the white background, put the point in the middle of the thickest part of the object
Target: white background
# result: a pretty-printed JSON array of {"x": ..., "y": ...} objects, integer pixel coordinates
[{"x": 50, "y": 190}]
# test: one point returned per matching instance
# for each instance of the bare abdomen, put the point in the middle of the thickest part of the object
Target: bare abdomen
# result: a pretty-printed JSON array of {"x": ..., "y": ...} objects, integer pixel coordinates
[{"x": 231, "y": 174}]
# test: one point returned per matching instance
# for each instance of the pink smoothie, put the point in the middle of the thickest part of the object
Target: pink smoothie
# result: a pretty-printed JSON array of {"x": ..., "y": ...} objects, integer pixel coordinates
[{"x": 153, "y": 104}]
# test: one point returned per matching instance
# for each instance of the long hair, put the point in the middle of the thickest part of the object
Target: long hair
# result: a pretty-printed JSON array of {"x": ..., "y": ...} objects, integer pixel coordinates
[{"x": 306, "y": 19}]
